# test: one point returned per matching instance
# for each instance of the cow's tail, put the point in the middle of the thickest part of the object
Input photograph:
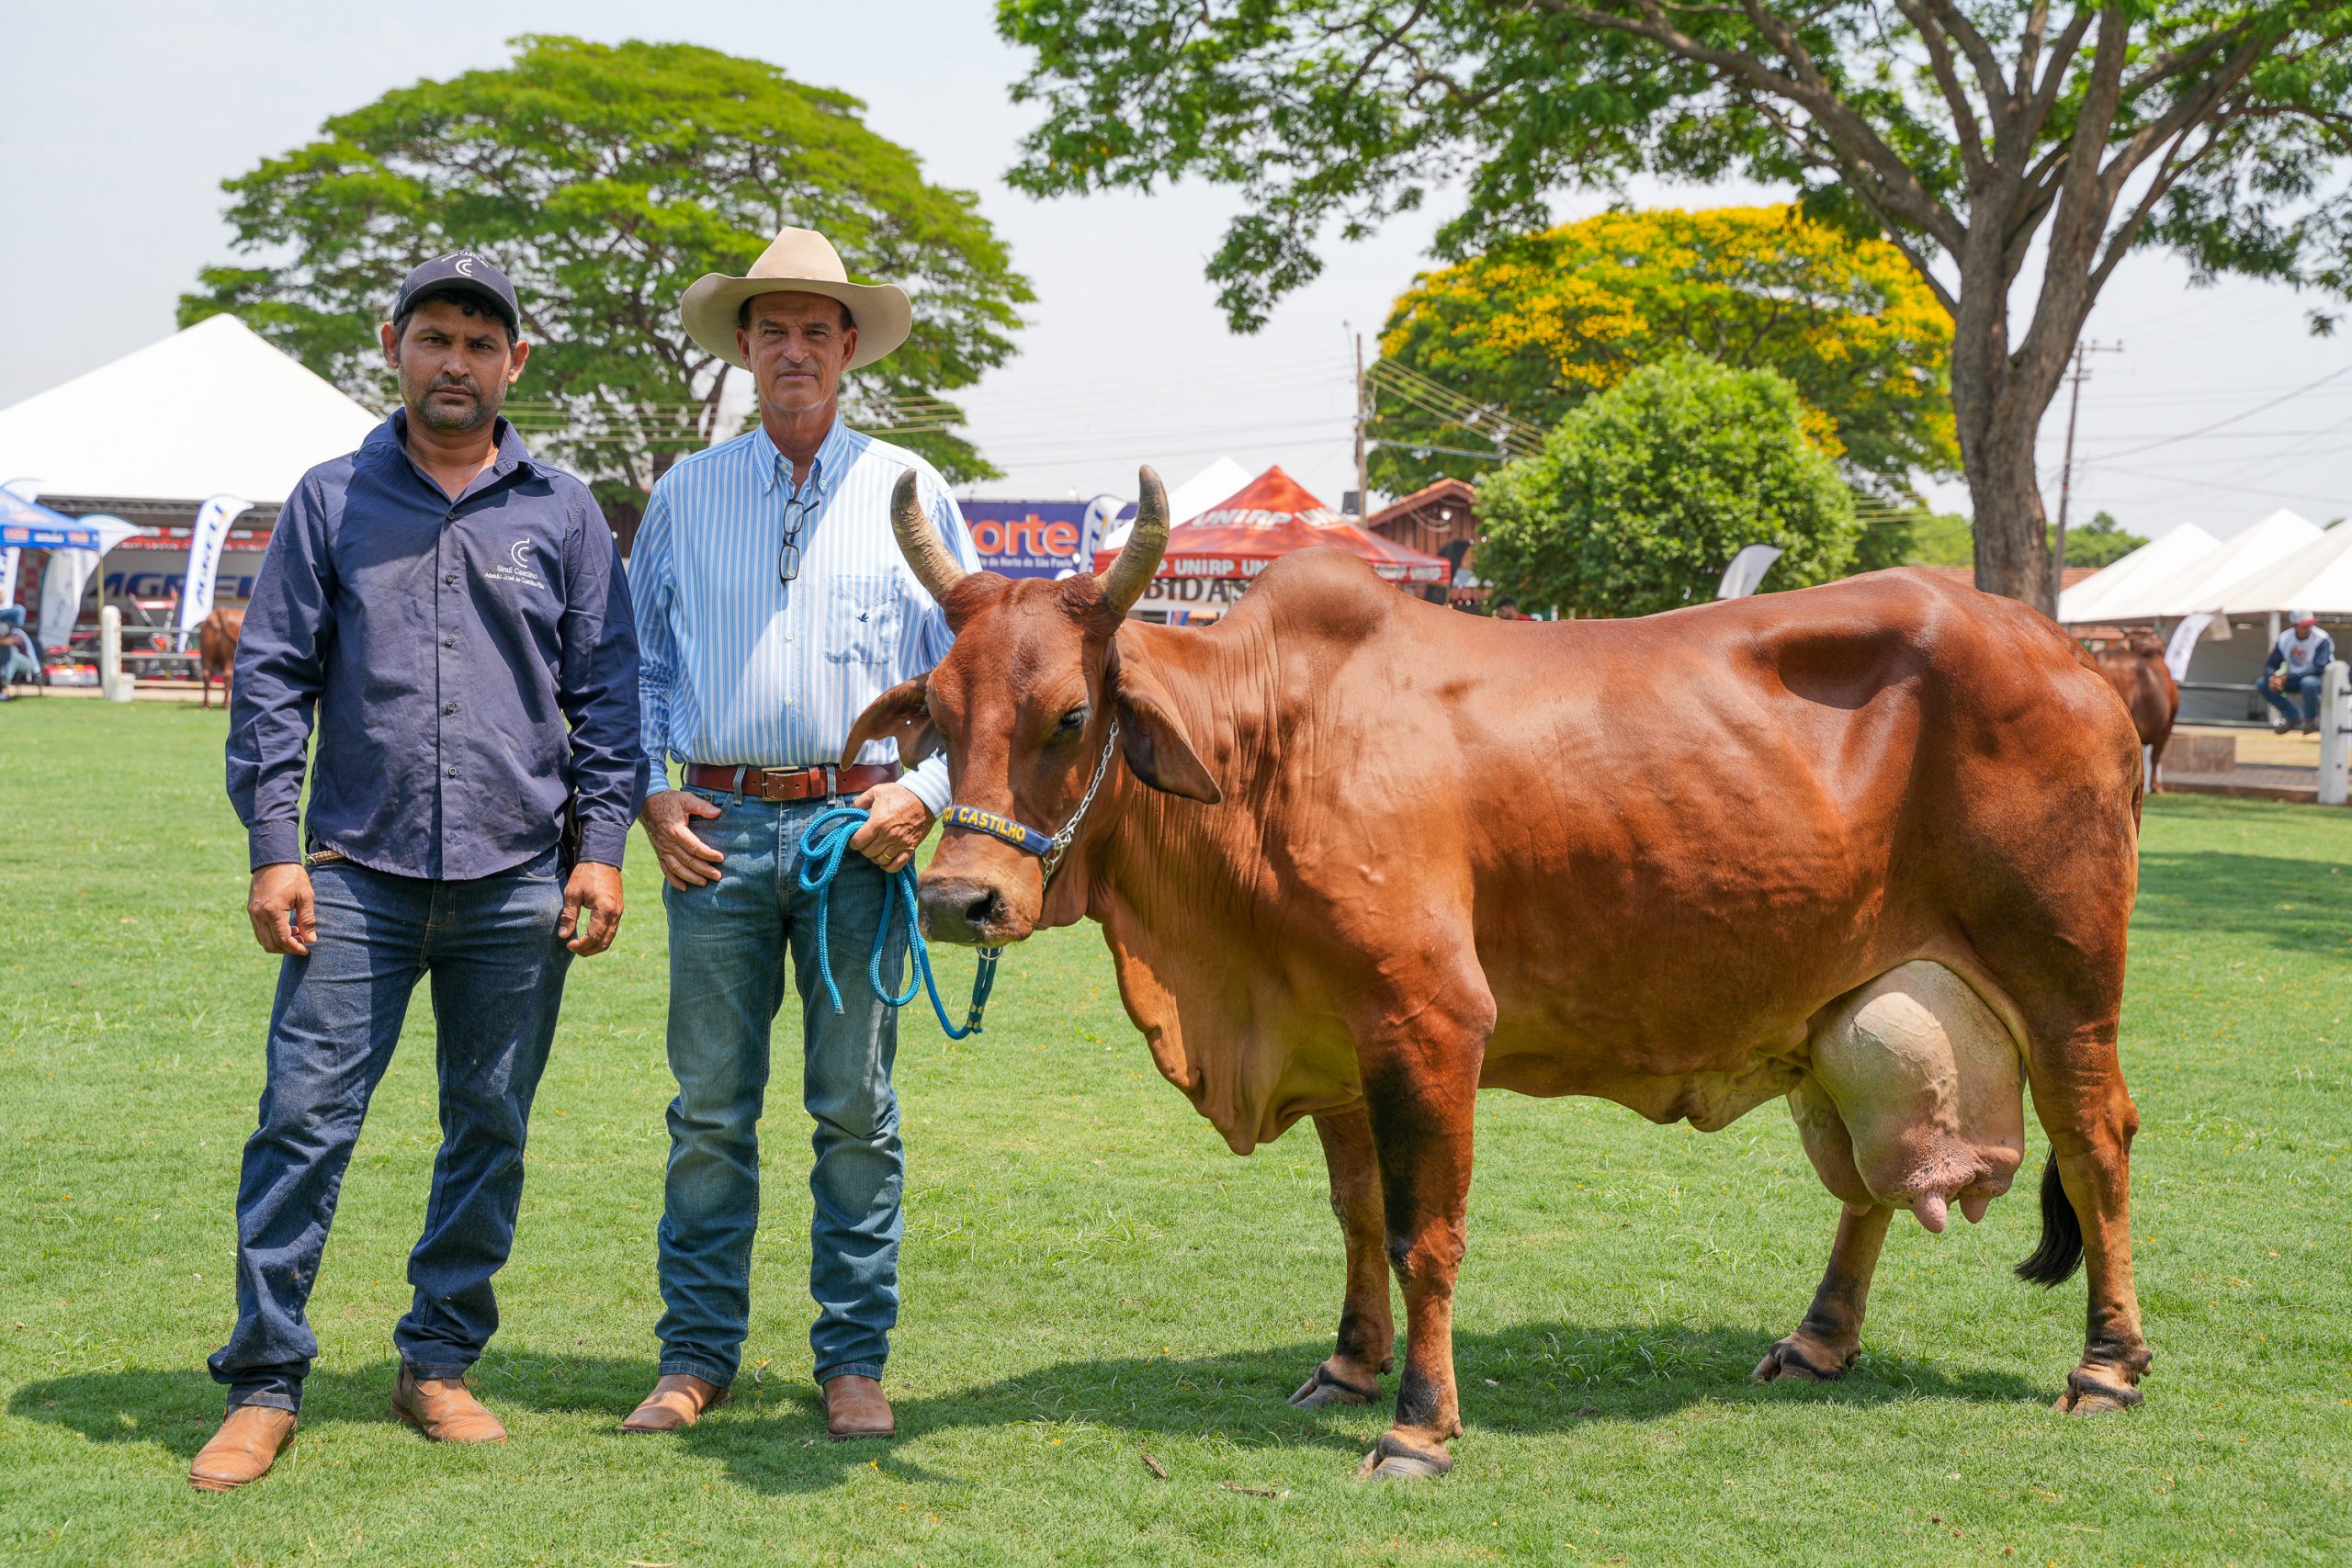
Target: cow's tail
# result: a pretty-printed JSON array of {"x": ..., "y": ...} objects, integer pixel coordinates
[{"x": 2061, "y": 1252}]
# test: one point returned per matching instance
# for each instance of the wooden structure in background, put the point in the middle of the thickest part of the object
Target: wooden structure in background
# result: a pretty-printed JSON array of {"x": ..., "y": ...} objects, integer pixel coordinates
[{"x": 1442, "y": 519}]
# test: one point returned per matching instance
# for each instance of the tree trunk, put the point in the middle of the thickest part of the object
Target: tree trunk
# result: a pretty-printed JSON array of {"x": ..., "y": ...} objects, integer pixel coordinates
[
  {"x": 1996, "y": 412},
  {"x": 2012, "y": 547}
]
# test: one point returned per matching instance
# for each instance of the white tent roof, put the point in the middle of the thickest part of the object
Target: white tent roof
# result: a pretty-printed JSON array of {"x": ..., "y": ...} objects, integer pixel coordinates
[
  {"x": 2317, "y": 578},
  {"x": 1188, "y": 500},
  {"x": 211, "y": 410},
  {"x": 2206, "y": 583},
  {"x": 2159, "y": 557}
]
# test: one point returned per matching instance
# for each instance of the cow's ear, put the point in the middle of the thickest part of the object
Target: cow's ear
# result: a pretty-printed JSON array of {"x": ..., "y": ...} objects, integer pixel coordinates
[
  {"x": 1152, "y": 737},
  {"x": 901, "y": 714}
]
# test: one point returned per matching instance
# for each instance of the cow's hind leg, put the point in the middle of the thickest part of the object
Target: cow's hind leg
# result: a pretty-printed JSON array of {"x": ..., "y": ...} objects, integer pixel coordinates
[
  {"x": 1829, "y": 1339},
  {"x": 1367, "y": 1325},
  {"x": 1420, "y": 1074},
  {"x": 2079, "y": 1096}
]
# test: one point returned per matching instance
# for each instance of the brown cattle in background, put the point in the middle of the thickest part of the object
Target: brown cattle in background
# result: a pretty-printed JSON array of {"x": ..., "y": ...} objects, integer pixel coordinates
[
  {"x": 216, "y": 652},
  {"x": 2140, "y": 676},
  {"x": 1870, "y": 848}
]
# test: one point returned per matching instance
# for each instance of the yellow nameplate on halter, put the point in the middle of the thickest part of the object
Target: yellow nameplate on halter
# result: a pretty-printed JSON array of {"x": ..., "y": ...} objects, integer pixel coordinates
[{"x": 1018, "y": 835}]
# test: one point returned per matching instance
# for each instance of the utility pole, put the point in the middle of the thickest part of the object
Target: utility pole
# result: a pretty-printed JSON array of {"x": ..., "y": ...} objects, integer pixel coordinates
[
  {"x": 1364, "y": 483},
  {"x": 2084, "y": 349}
]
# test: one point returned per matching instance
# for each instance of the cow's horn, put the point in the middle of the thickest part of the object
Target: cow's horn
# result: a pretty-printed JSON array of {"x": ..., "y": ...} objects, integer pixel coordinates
[
  {"x": 1131, "y": 573},
  {"x": 934, "y": 567}
]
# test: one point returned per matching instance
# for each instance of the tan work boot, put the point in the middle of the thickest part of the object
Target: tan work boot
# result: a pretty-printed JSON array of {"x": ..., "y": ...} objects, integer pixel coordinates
[
  {"x": 444, "y": 1410},
  {"x": 679, "y": 1399},
  {"x": 855, "y": 1409},
  {"x": 245, "y": 1448}
]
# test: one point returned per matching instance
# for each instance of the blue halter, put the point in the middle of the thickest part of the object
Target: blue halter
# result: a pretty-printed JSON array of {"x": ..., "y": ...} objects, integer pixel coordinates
[{"x": 826, "y": 839}]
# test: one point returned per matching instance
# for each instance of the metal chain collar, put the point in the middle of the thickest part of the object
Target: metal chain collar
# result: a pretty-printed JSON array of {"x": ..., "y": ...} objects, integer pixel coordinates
[{"x": 1060, "y": 847}]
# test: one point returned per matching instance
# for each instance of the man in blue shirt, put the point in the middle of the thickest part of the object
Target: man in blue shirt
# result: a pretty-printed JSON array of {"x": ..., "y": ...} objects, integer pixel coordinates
[
  {"x": 2297, "y": 664},
  {"x": 775, "y": 607},
  {"x": 453, "y": 612}
]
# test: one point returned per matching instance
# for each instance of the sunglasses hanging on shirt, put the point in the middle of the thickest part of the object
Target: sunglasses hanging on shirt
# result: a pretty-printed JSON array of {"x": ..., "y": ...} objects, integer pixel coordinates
[{"x": 787, "y": 554}]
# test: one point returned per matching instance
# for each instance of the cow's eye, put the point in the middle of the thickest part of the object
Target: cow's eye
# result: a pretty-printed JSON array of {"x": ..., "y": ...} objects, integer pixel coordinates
[{"x": 1072, "y": 721}]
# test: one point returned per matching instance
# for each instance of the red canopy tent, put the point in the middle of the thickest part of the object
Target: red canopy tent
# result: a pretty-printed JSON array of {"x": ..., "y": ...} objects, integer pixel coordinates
[{"x": 1267, "y": 519}]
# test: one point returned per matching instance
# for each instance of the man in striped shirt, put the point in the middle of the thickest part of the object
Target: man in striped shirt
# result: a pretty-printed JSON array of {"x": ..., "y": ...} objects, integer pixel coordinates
[{"x": 773, "y": 607}]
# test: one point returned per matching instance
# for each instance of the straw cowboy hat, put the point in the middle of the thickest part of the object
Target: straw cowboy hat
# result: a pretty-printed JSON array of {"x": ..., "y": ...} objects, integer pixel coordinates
[{"x": 800, "y": 260}]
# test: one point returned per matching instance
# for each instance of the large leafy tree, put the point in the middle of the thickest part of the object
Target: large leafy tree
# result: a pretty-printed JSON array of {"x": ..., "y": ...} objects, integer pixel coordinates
[
  {"x": 1539, "y": 323},
  {"x": 2014, "y": 151},
  {"x": 603, "y": 179},
  {"x": 1641, "y": 497}
]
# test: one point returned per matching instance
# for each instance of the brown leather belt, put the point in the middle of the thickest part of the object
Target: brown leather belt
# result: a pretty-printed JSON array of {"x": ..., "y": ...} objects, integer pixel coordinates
[{"x": 789, "y": 784}]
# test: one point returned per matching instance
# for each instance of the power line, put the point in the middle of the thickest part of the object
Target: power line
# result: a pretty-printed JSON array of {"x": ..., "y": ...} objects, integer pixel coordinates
[{"x": 2220, "y": 423}]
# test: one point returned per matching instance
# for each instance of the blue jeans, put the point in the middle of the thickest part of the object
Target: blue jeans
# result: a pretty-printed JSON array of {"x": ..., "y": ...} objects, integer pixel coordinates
[
  {"x": 2285, "y": 701},
  {"x": 497, "y": 970},
  {"x": 730, "y": 942}
]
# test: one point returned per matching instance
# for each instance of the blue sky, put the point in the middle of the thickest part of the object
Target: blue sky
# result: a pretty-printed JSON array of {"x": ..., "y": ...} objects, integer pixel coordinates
[{"x": 126, "y": 115}]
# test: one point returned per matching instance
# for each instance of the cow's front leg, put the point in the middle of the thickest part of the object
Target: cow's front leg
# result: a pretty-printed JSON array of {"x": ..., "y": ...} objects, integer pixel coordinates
[
  {"x": 1367, "y": 1326},
  {"x": 1421, "y": 1094},
  {"x": 1829, "y": 1339}
]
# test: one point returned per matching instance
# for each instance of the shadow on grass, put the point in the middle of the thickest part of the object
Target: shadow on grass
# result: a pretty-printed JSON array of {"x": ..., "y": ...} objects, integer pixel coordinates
[
  {"x": 1538, "y": 1377},
  {"x": 2297, "y": 905}
]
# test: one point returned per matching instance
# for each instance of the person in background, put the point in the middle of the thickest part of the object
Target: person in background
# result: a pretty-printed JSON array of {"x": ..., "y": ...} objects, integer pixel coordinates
[
  {"x": 775, "y": 607},
  {"x": 18, "y": 661},
  {"x": 452, "y": 612},
  {"x": 2298, "y": 662},
  {"x": 1507, "y": 609}
]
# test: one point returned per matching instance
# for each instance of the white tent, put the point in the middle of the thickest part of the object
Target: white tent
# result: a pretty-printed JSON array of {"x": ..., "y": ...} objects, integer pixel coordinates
[
  {"x": 2317, "y": 578},
  {"x": 2159, "y": 557},
  {"x": 213, "y": 409},
  {"x": 1189, "y": 500},
  {"x": 2205, "y": 583}
]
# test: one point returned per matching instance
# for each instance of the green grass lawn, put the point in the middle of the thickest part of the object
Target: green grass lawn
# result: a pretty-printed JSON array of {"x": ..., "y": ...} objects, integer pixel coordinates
[{"x": 1090, "y": 1276}]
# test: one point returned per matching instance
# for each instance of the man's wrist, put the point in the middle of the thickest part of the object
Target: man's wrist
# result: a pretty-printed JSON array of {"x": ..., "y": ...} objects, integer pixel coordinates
[{"x": 273, "y": 843}]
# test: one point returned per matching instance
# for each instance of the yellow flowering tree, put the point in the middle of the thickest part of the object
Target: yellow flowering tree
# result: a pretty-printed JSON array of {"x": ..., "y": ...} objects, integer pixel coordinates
[{"x": 1530, "y": 329}]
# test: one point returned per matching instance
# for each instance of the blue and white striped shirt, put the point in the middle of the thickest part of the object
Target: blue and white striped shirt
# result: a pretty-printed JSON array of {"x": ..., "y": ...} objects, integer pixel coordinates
[{"x": 740, "y": 667}]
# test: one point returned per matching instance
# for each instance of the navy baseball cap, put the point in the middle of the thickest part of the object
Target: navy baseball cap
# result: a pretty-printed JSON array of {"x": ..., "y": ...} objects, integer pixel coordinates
[{"x": 465, "y": 272}]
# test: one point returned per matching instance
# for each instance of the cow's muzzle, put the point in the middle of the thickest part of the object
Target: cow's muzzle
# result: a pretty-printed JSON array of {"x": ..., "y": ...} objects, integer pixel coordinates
[{"x": 969, "y": 912}]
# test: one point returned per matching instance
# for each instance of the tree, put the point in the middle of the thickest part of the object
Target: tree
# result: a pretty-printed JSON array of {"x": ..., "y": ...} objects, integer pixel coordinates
[
  {"x": 603, "y": 179},
  {"x": 1642, "y": 495},
  {"x": 2005, "y": 149},
  {"x": 2099, "y": 542},
  {"x": 1538, "y": 324}
]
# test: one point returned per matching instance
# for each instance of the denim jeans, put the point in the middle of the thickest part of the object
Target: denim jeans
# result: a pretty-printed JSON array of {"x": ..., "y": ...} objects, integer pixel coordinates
[
  {"x": 730, "y": 942},
  {"x": 497, "y": 970},
  {"x": 2285, "y": 701}
]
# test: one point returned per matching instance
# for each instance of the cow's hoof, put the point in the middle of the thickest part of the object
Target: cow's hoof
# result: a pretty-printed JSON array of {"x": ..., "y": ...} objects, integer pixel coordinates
[
  {"x": 1802, "y": 1358},
  {"x": 1393, "y": 1460},
  {"x": 1324, "y": 1386},
  {"x": 2088, "y": 1396}
]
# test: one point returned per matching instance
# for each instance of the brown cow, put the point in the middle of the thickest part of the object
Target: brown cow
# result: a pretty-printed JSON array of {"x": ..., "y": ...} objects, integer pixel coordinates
[
  {"x": 2140, "y": 676},
  {"x": 216, "y": 652},
  {"x": 1358, "y": 857}
]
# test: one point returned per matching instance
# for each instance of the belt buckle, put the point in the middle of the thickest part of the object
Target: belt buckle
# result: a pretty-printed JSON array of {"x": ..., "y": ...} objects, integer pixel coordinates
[{"x": 770, "y": 778}]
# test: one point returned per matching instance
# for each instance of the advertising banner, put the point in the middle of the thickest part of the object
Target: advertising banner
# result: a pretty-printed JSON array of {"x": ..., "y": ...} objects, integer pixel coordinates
[
  {"x": 62, "y": 583},
  {"x": 1028, "y": 538},
  {"x": 204, "y": 542},
  {"x": 25, "y": 491}
]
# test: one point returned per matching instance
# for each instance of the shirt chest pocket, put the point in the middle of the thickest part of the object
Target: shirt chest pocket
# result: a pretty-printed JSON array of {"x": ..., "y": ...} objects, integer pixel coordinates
[{"x": 862, "y": 621}]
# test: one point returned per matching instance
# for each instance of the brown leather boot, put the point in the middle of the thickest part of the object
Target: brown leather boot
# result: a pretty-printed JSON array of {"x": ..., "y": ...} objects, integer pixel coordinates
[
  {"x": 855, "y": 1409},
  {"x": 444, "y": 1410},
  {"x": 679, "y": 1399},
  {"x": 245, "y": 1448}
]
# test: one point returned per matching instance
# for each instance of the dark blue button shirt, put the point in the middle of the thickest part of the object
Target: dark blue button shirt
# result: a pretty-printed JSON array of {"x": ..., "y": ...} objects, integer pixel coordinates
[{"x": 472, "y": 664}]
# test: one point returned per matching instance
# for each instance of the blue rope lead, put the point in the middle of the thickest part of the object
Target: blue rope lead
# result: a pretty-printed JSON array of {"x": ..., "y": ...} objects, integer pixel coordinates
[{"x": 822, "y": 845}]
